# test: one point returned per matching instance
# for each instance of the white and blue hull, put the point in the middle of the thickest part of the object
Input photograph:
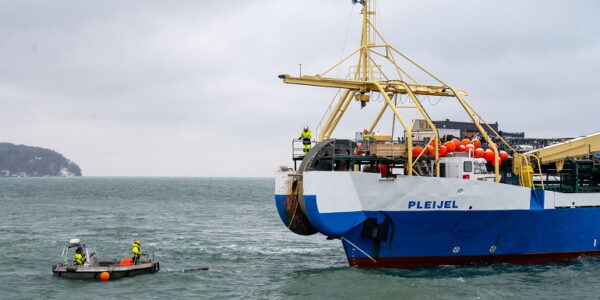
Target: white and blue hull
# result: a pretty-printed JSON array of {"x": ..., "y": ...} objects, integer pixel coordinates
[{"x": 425, "y": 221}]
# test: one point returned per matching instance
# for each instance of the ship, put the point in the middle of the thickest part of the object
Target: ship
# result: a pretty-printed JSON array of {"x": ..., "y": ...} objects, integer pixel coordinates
[{"x": 421, "y": 199}]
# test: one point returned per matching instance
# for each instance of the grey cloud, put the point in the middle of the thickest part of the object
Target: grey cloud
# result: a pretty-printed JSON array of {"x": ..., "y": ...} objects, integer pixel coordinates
[{"x": 187, "y": 87}]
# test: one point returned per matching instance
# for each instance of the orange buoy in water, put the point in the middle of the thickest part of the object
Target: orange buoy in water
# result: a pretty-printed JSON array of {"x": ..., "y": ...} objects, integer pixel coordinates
[
  {"x": 450, "y": 147},
  {"x": 461, "y": 148},
  {"x": 488, "y": 155},
  {"x": 104, "y": 276},
  {"x": 476, "y": 143},
  {"x": 503, "y": 155},
  {"x": 416, "y": 151},
  {"x": 443, "y": 151},
  {"x": 465, "y": 142},
  {"x": 127, "y": 262},
  {"x": 479, "y": 153}
]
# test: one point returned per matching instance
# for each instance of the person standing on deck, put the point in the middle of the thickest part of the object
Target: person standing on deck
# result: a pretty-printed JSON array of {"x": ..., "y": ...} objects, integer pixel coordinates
[
  {"x": 79, "y": 258},
  {"x": 367, "y": 136},
  {"x": 305, "y": 136},
  {"x": 136, "y": 252}
]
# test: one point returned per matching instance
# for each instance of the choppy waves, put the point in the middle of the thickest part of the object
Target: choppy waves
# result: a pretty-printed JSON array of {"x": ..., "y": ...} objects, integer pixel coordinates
[{"x": 224, "y": 225}]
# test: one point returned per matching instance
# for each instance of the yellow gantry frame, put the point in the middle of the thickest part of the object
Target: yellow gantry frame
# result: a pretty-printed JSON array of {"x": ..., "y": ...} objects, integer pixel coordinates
[
  {"x": 363, "y": 82},
  {"x": 569, "y": 149},
  {"x": 558, "y": 153}
]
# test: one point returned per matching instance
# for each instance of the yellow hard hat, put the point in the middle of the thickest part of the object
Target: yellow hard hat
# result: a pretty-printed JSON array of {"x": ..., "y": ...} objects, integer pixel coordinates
[{"x": 137, "y": 242}]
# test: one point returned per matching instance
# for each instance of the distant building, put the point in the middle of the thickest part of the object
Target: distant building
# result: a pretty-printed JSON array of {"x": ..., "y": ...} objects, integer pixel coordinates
[
  {"x": 463, "y": 129},
  {"x": 467, "y": 129},
  {"x": 422, "y": 132},
  {"x": 512, "y": 135}
]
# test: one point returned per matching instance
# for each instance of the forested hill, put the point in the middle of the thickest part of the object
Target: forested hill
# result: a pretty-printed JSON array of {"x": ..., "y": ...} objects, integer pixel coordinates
[{"x": 27, "y": 161}]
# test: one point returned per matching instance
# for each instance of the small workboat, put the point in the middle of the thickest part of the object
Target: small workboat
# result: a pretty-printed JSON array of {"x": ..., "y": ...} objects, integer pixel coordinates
[{"x": 94, "y": 268}]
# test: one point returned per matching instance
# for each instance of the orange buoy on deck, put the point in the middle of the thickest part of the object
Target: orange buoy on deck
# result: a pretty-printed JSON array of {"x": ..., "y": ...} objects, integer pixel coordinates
[
  {"x": 479, "y": 153},
  {"x": 450, "y": 146},
  {"x": 104, "y": 276},
  {"x": 465, "y": 142},
  {"x": 488, "y": 155},
  {"x": 470, "y": 148},
  {"x": 456, "y": 143},
  {"x": 476, "y": 143},
  {"x": 461, "y": 148},
  {"x": 503, "y": 155},
  {"x": 416, "y": 151},
  {"x": 429, "y": 150},
  {"x": 127, "y": 262},
  {"x": 443, "y": 150},
  {"x": 494, "y": 162}
]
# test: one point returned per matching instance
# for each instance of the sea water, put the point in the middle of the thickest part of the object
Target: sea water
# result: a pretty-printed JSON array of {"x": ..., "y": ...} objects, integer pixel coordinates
[{"x": 227, "y": 225}]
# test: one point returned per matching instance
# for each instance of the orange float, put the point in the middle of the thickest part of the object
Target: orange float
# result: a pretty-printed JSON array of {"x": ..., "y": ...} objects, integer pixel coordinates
[
  {"x": 469, "y": 148},
  {"x": 494, "y": 163},
  {"x": 429, "y": 150},
  {"x": 476, "y": 143},
  {"x": 488, "y": 155},
  {"x": 479, "y": 152},
  {"x": 456, "y": 143},
  {"x": 416, "y": 151},
  {"x": 465, "y": 142},
  {"x": 104, "y": 276},
  {"x": 126, "y": 262},
  {"x": 503, "y": 155},
  {"x": 450, "y": 146},
  {"x": 443, "y": 150},
  {"x": 492, "y": 146},
  {"x": 432, "y": 143},
  {"x": 461, "y": 148}
]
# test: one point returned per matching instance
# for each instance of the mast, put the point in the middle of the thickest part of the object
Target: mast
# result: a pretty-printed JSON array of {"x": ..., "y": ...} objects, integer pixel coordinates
[{"x": 365, "y": 41}]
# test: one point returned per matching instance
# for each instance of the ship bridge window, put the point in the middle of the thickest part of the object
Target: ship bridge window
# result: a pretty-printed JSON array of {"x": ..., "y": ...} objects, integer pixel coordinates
[{"x": 468, "y": 167}]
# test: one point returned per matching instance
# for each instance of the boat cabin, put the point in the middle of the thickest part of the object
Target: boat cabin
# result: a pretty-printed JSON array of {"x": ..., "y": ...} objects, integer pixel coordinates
[{"x": 465, "y": 167}]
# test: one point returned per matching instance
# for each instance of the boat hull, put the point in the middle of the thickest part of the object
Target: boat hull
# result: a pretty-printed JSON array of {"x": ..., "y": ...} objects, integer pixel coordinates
[
  {"x": 115, "y": 271},
  {"x": 433, "y": 261},
  {"x": 418, "y": 239},
  {"x": 416, "y": 222}
]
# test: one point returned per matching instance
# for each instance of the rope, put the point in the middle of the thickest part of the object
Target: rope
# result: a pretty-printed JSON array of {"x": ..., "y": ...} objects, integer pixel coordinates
[
  {"x": 358, "y": 248},
  {"x": 264, "y": 260},
  {"x": 431, "y": 102},
  {"x": 345, "y": 38}
]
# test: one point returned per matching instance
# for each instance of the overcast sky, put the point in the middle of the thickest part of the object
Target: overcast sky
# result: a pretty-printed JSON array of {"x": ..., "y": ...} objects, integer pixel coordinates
[{"x": 190, "y": 88}]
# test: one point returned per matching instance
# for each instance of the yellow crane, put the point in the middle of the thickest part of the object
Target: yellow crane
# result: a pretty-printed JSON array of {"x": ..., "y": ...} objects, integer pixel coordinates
[
  {"x": 557, "y": 153},
  {"x": 371, "y": 74}
]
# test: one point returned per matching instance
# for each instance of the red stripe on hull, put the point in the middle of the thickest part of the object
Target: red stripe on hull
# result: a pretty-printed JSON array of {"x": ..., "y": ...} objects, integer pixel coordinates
[{"x": 432, "y": 261}]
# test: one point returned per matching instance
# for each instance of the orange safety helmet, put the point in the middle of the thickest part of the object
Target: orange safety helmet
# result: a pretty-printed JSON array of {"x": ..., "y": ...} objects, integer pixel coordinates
[{"x": 365, "y": 131}]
